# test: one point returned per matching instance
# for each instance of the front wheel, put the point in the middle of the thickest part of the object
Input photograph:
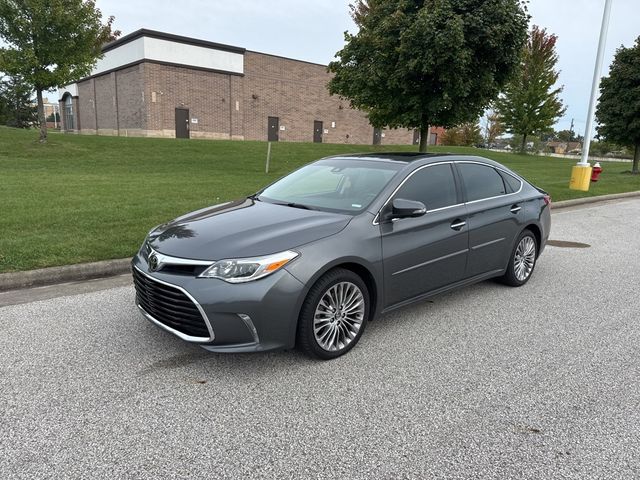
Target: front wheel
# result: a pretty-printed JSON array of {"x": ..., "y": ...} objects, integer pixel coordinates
[
  {"x": 334, "y": 315},
  {"x": 522, "y": 261}
]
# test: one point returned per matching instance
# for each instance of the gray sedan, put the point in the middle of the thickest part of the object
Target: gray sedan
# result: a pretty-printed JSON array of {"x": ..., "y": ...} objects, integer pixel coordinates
[{"x": 310, "y": 259}]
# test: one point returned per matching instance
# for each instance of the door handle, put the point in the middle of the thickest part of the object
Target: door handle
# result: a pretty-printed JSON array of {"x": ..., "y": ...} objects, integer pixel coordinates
[
  {"x": 515, "y": 208},
  {"x": 458, "y": 224}
]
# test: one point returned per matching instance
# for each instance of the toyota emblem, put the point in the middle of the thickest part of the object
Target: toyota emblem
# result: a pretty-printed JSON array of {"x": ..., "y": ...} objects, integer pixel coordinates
[{"x": 153, "y": 262}]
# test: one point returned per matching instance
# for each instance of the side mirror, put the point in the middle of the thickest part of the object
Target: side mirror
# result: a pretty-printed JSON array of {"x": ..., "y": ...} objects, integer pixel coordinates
[{"x": 402, "y": 208}]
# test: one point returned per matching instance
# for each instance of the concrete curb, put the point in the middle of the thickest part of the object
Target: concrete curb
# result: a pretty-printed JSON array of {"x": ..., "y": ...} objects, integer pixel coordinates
[
  {"x": 63, "y": 274},
  {"x": 107, "y": 268},
  {"x": 584, "y": 201}
]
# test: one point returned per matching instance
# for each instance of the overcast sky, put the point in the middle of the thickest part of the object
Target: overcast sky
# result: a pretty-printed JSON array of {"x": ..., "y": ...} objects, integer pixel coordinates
[{"x": 313, "y": 31}]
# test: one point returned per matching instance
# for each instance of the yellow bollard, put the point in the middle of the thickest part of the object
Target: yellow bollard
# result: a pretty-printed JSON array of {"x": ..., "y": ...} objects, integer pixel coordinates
[{"x": 580, "y": 177}]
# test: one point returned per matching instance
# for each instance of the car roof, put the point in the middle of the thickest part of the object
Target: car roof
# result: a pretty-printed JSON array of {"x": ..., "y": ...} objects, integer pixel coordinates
[{"x": 410, "y": 157}]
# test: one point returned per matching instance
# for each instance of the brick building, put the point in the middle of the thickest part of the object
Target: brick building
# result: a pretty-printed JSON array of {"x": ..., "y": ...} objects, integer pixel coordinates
[{"x": 159, "y": 85}]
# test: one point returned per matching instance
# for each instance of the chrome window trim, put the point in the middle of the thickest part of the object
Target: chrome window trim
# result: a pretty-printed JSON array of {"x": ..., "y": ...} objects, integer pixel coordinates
[
  {"x": 376, "y": 218},
  {"x": 451, "y": 162},
  {"x": 496, "y": 168},
  {"x": 181, "y": 335}
]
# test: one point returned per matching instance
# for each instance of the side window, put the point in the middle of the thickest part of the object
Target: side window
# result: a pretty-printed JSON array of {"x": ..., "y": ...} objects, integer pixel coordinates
[
  {"x": 481, "y": 181},
  {"x": 434, "y": 186},
  {"x": 512, "y": 183}
]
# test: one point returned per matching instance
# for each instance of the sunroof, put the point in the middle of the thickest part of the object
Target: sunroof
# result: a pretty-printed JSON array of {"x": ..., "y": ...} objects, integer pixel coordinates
[{"x": 396, "y": 156}]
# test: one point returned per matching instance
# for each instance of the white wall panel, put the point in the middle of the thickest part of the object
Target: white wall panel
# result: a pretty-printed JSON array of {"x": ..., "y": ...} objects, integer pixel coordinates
[
  {"x": 192, "y": 55},
  {"x": 148, "y": 48}
]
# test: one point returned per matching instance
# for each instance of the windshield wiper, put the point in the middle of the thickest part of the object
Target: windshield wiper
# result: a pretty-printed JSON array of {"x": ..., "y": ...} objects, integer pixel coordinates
[{"x": 295, "y": 205}]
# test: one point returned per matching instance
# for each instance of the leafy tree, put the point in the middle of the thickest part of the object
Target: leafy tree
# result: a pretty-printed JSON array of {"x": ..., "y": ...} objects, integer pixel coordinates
[
  {"x": 530, "y": 104},
  {"x": 467, "y": 134},
  {"x": 51, "y": 43},
  {"x": 618, "y": 111},
  {"x": 532, "y": 143},
  {"x": 415, "y": 63},
  {"x": 494, "y": 128},
  {"x": 16, "y": 104},
  {"x": 54, "y": 118},
  {"x": 565, "y": 136}
]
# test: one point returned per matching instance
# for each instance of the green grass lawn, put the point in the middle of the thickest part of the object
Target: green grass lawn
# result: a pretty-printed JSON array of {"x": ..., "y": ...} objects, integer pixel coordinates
[{"x": 88, "y": 198}]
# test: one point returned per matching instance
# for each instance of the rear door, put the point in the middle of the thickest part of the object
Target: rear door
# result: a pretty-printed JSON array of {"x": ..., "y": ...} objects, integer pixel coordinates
[
  {"x": 377, "y": 136},
  {"x": 494, "y": 216},
  {"x": 182, "y": 123},
  {"x": 317, "y": 131},
  {"x": 273, "y": 127},
  {"x": 429, "y": 252}
]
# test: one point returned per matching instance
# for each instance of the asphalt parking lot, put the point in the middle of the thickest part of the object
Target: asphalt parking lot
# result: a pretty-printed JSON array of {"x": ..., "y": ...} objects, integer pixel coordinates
[{"x": 487, "y": 382}]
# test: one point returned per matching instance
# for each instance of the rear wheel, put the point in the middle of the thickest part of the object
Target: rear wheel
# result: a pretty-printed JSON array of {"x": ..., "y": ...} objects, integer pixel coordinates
[
  {"x": 522, "y": 261},
  {"x": 334, "y": 315}
]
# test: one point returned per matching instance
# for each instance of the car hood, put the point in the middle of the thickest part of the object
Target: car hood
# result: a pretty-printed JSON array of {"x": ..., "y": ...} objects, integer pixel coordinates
[{"x": 245, "y": 228}]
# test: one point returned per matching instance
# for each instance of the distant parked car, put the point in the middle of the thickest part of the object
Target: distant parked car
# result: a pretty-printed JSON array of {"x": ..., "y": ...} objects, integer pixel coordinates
[{"x": 312, "y": 258}]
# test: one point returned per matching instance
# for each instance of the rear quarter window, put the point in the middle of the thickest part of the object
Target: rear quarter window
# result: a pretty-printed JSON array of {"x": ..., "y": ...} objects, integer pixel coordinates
[{"x": 511, "y": 182}]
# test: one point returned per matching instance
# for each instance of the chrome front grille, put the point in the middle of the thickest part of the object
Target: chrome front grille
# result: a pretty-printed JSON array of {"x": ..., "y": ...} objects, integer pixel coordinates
[{"x": 170, "y": 306}]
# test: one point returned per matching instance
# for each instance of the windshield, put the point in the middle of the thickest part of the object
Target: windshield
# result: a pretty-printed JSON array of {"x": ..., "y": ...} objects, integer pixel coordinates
[{"x": 339, "y": 185}]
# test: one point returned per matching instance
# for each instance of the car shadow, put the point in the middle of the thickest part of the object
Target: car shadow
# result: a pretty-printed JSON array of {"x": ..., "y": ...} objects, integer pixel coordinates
[{"x": 176, "y": 354}]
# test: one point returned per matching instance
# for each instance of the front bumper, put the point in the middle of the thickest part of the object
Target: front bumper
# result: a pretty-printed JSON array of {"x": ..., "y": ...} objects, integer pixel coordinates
[{"x": 247, "y": 317}]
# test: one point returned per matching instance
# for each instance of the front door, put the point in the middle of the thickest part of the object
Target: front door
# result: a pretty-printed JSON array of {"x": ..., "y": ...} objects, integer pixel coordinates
[
  {"x": 430, "y": 252},
  {"x": 182, "y": 123},
  {"x": 317, "y": 131},
  {"x": 273, "y": 127}
]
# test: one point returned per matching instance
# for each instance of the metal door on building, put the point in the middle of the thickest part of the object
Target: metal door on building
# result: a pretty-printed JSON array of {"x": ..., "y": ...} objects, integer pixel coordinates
[
  {"x": 377, "y": 136},
  {"x": 317, "y": 131},
  {"x": 182, "y": 123},
  {"x": 273, "y": 128}
]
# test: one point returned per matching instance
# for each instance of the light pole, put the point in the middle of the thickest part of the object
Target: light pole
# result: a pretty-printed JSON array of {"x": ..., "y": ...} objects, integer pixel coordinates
[{"x": 581, "y": 173}]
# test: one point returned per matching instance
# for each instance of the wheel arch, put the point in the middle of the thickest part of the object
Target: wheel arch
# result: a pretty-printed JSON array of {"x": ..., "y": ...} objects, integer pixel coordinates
[
  {"x": 361, "y": 268},
  {"x": 537, "y": 233}
]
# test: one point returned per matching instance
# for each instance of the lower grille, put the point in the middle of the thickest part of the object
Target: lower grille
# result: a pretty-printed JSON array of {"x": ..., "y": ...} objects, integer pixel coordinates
[{"x": 169, "y": 306}]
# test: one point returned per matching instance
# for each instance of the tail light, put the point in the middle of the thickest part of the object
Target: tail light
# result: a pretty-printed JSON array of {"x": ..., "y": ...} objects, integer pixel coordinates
[{"x": 547, "y": 199}]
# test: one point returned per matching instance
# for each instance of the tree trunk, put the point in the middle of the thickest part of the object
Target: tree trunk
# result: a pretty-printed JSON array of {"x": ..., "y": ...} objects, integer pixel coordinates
[
  {"x": 523, "y": 147},
  {"x": 424, "y": 137},
  {"x": 636, "y": 160},
  {"x": 41, "y": 119}
]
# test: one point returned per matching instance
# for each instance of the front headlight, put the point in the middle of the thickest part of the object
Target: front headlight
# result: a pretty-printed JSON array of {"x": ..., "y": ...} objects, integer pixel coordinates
[{"x": 247, "y": 269}]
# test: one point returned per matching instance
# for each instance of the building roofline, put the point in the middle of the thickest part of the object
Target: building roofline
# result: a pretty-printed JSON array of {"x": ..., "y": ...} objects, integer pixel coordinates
[
  {"x": 288, "y": 58},
  {"x": 144, "y": 32}
]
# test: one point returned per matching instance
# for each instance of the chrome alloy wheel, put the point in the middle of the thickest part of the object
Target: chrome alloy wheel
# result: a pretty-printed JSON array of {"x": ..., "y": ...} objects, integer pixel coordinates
[
  {"x": 525, "y": 258},
  {"x": 338, "y": 316}
]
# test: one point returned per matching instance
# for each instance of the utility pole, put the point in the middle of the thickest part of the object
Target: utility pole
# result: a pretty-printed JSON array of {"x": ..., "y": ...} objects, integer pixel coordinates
[
  {"x": 572, "y": 136},
  {"x": 581, "y": 173}
]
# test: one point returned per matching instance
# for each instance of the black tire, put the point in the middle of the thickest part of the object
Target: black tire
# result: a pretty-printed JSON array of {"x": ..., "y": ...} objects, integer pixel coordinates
[
  {"x": 514, "y": 277},
  {"x": 307, "y": 340}
]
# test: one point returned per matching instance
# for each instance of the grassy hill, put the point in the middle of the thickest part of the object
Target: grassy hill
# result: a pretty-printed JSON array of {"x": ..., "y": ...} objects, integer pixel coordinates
[{"x": 88, "y": 198}]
